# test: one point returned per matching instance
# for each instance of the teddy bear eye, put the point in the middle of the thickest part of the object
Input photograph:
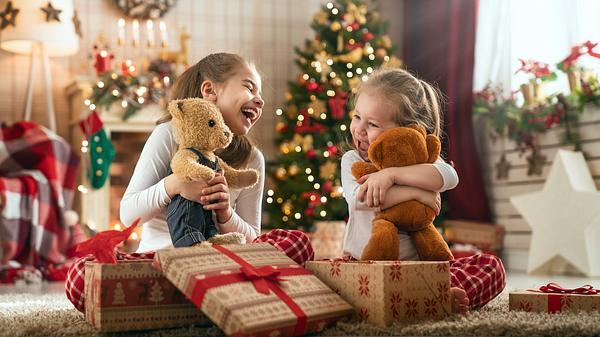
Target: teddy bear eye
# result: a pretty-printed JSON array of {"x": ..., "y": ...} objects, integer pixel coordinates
[{"x": 211, "y": 123}]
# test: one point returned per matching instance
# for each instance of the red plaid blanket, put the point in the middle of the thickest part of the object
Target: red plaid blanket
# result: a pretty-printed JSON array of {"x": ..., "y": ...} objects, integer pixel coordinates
[{"x": 37, "y": 180}]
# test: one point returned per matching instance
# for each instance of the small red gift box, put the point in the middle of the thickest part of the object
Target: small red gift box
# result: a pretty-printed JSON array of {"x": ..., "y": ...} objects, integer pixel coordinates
[
  {"x": 553, "y": 298},
  {"x": 133, "y": 295}
]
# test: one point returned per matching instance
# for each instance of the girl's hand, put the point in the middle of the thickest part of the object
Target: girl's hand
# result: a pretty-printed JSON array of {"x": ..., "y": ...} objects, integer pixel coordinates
[
  {"x": 374, "y": 187},
  {"x": 431, "y": 199},
  {"x": 189, "y": 190},
  {"x": 215, "y": 197}
]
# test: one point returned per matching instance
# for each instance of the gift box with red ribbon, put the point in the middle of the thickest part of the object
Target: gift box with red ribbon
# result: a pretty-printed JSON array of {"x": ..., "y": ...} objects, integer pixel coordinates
[
  {"x": 252, "y": 290},
  {"x": 133, "y": 295},
  {"x": 386, "y": 291},
  {"x": 554, "y": 298}
]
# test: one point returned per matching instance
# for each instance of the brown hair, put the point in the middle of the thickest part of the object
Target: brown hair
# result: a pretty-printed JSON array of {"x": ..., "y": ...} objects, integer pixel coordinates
[
  {"x": 415, "y": 101},
  {"x": 218, "y": 68}
]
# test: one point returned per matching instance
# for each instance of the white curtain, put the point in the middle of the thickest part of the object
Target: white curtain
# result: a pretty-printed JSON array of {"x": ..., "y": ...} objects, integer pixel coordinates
[{"x": 545, "y": 31}]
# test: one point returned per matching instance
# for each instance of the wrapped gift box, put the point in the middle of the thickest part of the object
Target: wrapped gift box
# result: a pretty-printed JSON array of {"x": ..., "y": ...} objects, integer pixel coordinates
[
  {"x": 386, "y": 291},
  {"x": 549, "y": 302},
  {"x": 485, "y": 236},
  {"x": 252, "y": 290},
  {"x": 133, "y": 295}
]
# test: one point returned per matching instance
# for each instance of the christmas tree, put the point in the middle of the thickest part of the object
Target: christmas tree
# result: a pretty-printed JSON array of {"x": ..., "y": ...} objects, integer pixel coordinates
[
  {"x": 119, "y": 295},
  {"x": 156, "y": 294},
  {"x": 349, "y": 44}
]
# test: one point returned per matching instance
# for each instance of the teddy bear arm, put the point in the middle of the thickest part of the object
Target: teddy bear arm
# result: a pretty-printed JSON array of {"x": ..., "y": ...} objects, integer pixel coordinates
[
  {"x": 238, "y": 178},
  {"x": 360, "y": 169},
  {"x": 184, "y": 164}
]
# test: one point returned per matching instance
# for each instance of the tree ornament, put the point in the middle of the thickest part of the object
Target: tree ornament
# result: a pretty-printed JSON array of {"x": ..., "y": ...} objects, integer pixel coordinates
[
  {"x": 340, "y": 42},
  {"x": 355, "y": 14},
  {"x": 327, "y": 170},
  {"x": 321, "y": 17},
  {"x": 535, "y": 163},
  {"x": 101, "y": 150},
  {"x": 292, "y": 112},
  {"x": 335, "y": 26},
  {"x": 317, "y": 106},
  {"x": 284, "y": 148},
  {"x": 280, "y": 173},
  {"x": 293, "y": 170},
  {"x": 286, "y": 208},
  {"x": 307, "y": 143},
  {"x": 367, "y": 36},
  {"x": 352, "y": 57},
  {"x": 312, "y": 85},
  {"x": 336, "y": 191},
  {"x": 51, "y": 12},
  {"x": 337, "y": 105},
  {"x": 380, "y": 53},
  {"x": 309, "y": 211},
  {"x": 327, "y": 186},
  {"x": 311, "y": 154},
  {"x": 8, "y": 16},
  {"x": 386, "y": 42},
  {"x": 288, "y": 96},
  {"x": 502, "y": 168},
  {"x": 281, "y": 127}
]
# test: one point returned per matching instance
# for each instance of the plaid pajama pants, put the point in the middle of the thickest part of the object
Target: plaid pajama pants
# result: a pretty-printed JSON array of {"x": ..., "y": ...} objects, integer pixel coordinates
[
  {"x": 482, "y": 276},
  {"x": 293, "y": 243}
]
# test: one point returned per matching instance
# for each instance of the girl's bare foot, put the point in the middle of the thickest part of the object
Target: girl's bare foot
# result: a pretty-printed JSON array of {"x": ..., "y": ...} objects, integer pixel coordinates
[{"x": 460, "y": 301}]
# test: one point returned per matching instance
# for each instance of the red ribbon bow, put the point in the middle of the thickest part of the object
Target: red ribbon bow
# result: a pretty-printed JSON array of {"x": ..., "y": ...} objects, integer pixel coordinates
[
  {"x": 261, "y": 276},
  {"x": 555, "y": 288}
]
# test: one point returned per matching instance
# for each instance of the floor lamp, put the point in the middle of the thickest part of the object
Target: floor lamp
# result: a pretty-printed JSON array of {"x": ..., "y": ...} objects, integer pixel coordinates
[{"x": 42, "y": 29}]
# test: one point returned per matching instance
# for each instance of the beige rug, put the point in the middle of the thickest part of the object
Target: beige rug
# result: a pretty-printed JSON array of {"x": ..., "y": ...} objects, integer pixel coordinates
[{"x": 31, "y": 315}]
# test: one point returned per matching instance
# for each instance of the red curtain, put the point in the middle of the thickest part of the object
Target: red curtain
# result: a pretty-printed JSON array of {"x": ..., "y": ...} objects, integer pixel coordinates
[{"x": 439, "y": 47}]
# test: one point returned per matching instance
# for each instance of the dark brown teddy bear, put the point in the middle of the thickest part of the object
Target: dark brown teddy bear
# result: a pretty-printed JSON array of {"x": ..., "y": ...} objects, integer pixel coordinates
[{"x": 403, "y": 146}]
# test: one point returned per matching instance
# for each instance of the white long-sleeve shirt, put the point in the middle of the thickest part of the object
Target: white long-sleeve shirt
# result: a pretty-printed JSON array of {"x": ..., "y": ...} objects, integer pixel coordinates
[
  {"x": 358, "y": 228},
  {"x": 146, "y": 196}
]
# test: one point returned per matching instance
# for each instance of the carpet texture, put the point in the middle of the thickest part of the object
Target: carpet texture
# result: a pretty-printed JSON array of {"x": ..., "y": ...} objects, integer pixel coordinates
[{"x": 32, "y": 315}]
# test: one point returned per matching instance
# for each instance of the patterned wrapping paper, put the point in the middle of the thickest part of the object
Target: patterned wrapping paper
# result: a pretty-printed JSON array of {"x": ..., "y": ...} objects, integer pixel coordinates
[
  {"x": 133, "y": 295},
  {"x": 213, "y": 281},
  {"x": 386, "y": 291},
  {"x": 545, "y": 302}
]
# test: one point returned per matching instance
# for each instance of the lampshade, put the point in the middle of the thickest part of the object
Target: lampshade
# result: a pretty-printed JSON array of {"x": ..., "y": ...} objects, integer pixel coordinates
[{"x": 59, "y": 38}]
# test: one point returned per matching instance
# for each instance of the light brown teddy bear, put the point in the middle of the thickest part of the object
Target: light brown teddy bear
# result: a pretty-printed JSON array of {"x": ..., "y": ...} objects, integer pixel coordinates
[
  {"x": 403, "y": 146},
  {"x": 199, "y": 130}
]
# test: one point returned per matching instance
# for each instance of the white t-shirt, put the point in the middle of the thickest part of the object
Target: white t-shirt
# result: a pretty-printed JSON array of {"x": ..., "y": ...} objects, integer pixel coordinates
[
  {"x": 146, "y": 196},
  {"x": 358, "y": 228}
]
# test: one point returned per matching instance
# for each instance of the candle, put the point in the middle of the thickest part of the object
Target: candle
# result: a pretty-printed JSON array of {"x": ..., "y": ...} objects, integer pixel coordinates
[
  {"x": 163, "y": 35},
  {"x": 150, "y": 32},
  {"x": 135, "y": 32},
  {"x": 121, "y": 38}
]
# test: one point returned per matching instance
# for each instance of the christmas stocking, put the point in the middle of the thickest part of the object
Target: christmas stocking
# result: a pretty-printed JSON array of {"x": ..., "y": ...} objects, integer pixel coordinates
[{"x": 101, "y": 150}]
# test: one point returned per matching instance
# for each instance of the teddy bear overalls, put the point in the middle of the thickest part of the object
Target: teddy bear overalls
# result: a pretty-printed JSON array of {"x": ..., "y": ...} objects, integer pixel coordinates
[{"x": 189, "y": 223}]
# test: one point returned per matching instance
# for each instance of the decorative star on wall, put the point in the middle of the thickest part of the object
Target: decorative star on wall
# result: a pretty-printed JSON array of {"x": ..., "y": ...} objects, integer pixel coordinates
[
  {"x": 8, "y": 16},
  {"x": 564, "y": 217},
  {"x": 535, "y": 163},
  {"x": 51, "y": 12}
]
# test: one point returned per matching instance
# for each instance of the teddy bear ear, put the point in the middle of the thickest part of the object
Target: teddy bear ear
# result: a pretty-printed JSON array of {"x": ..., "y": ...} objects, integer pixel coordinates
[
  {"x": 419, "y": 128},
  {"x": 376, "y": 154},
  {"x": 434, "y": 147},
  {"x": 176, "y": 108}
]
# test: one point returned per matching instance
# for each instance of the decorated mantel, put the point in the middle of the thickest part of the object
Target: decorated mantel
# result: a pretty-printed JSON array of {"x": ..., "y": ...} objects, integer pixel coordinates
[
  {"x": 127, "y": 94},
  {"x": 522, "y": 153}
]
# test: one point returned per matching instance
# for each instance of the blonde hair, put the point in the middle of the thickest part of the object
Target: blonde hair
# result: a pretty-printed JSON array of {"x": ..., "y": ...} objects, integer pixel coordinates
[
  {"x": 218, "y": 68},
  {"x": 414, "y": 101}
]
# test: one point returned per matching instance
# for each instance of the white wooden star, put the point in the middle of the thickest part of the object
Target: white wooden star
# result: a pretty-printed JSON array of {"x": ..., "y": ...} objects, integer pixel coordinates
[{"x": 564, "y": 217}]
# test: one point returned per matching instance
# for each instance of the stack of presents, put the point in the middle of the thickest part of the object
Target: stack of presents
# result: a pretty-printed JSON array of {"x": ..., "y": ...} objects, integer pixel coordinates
[{"x": 256, "y": 290}]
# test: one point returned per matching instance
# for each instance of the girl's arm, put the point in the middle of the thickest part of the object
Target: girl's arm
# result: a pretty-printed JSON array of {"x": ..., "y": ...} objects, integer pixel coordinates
[
  {"x": 438, "y": 177},
  {"x": 395, "y": 195},
  {"x": 146, "y": 194},
  {"x": 246, "y": 216}
]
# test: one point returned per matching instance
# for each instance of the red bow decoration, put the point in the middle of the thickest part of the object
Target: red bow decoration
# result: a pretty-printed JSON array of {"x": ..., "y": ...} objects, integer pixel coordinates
[
  {"x": 103, "y": 244},
  {"x": 555, "y": 288},
  {"x": 260, "y": 276},
  {"x": 337, "y": 105}
]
